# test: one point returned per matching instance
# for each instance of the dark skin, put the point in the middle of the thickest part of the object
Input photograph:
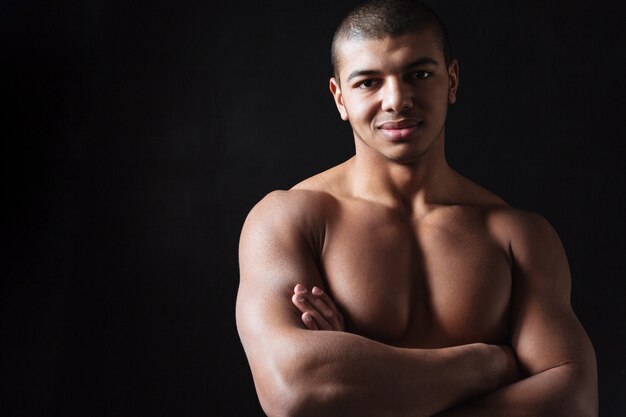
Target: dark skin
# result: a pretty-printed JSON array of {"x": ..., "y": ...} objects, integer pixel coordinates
[{"x": 428, "y": 294}]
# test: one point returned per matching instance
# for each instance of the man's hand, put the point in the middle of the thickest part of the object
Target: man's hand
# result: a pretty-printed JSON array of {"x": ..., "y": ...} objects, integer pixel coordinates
[{"x": 319, "y": 312}]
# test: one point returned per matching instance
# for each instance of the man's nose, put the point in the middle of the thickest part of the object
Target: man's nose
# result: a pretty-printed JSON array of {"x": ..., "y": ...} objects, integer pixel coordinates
[{"x": 396, "y": 96}]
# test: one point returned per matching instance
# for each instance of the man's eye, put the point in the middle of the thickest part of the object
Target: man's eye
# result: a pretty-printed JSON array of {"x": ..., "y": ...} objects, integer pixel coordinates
[
  {"x": 421, "y": 74},
  {"x": 366, "y": 84}
]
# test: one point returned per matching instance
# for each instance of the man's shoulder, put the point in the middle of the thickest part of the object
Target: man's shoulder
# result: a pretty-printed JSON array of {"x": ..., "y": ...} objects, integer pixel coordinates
[
  {"x": 504, "y": 216},
  {"x": 304, "y": 207},
  {"x": 519, "y": 228},
  {"x": 508, "y": 223},
  {"x": 293, "y": 209},
  {"x": 294, "y": 202}
]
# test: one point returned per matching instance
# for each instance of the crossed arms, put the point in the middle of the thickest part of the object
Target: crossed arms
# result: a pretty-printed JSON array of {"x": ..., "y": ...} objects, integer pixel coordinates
[{"x": 299, "y": 372}]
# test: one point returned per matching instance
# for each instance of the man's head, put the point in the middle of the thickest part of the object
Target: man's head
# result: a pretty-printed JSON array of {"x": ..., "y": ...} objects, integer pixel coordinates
[
  {"x": 376, "y": 19},
  {"x": 394, "y": 79}
]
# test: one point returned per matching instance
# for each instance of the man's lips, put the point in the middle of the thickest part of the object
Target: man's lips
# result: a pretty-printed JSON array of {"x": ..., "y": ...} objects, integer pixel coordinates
[
  {"x": 400, "y": 124},
  {"x": 399, "y": 129}
]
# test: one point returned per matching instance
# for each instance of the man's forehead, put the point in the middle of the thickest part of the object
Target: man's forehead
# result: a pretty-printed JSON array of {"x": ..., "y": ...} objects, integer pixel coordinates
[{"x": 356, "y": 52}]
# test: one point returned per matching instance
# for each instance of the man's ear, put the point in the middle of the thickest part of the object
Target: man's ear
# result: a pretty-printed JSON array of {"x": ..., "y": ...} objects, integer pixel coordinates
[
  {"x": 453, "y": 75},
  {"x": 335, "y": 89}
]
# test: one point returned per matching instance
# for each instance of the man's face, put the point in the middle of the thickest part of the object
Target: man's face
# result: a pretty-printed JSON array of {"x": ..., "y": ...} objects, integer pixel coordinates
[{"x": 395, "y": 93}]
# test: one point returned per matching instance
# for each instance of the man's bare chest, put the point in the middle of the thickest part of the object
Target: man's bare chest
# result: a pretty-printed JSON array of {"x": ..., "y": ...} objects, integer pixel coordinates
[{"x": 432, "y": 283}]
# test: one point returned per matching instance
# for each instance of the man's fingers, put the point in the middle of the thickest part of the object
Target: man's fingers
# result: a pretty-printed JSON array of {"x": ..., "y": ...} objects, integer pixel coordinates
[
  {"x": 327, "y": 307},
  {"x": 311, "y": 318},
  {"x": 309, "y": 321},
  {"x": 320, "y": 308}
]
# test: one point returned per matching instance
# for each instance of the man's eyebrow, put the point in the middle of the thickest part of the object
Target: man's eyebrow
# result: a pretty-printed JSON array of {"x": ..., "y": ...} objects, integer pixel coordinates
[
  {"x": 359, "y": 73},
  {"x": 416, "y": 63}
]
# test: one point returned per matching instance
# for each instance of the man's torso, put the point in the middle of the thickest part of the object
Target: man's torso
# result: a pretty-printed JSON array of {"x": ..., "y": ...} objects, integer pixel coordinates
[{"x": 440, "y": 279}]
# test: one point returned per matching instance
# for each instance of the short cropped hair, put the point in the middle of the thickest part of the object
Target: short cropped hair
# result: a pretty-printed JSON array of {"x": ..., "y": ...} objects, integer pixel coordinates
[{"x": 376, "y": 19}]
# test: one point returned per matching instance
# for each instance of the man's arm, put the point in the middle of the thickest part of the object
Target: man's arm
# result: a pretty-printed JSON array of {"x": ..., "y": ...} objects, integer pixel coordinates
[
  {"x": 326, "y": 373},
  {"x": 552, "y": 347}
]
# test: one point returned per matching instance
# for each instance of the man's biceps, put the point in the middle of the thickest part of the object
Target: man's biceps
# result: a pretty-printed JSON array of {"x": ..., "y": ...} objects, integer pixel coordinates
[
  {"x": 284, "y": 258},
  {"x": 545, "y": 341},
  {"x": 278, "y": 268},
  {"x": 275, "y": 275},
  {"x": 263, "y": 312}
]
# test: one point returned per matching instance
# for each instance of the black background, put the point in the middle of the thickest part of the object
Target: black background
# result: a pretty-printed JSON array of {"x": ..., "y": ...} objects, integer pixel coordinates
[{"x": 136, "y": 137}]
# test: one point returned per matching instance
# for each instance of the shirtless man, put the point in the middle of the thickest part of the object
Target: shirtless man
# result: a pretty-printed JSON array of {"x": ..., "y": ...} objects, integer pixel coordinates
[{"x": 390, "y": 285}]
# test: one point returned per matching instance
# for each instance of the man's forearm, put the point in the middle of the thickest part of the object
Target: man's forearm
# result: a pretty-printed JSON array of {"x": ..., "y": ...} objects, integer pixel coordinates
[
  {"x": 335, "y": 373},
  {"x": 564, "y": 390},
  {"x": 405, "y": 382}
]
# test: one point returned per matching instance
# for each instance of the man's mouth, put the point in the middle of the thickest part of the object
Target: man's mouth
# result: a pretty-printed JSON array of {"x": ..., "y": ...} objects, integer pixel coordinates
[
  {"x": 399, "y": 129},
  {"x": 399, "y": 124}
]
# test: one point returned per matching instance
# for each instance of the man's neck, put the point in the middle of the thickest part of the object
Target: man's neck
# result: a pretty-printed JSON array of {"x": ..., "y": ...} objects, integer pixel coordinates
[{"x": 414, "y": 186}]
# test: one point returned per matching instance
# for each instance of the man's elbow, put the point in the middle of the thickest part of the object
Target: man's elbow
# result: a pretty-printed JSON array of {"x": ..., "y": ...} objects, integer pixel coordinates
[
  {"x": 288, "y": 390},
  {"x": 286, "y": 402},
  {"x": 582, "y": 392},
  {"x": 587, "y": 398},
  {"x": 297, "y": 400}
]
